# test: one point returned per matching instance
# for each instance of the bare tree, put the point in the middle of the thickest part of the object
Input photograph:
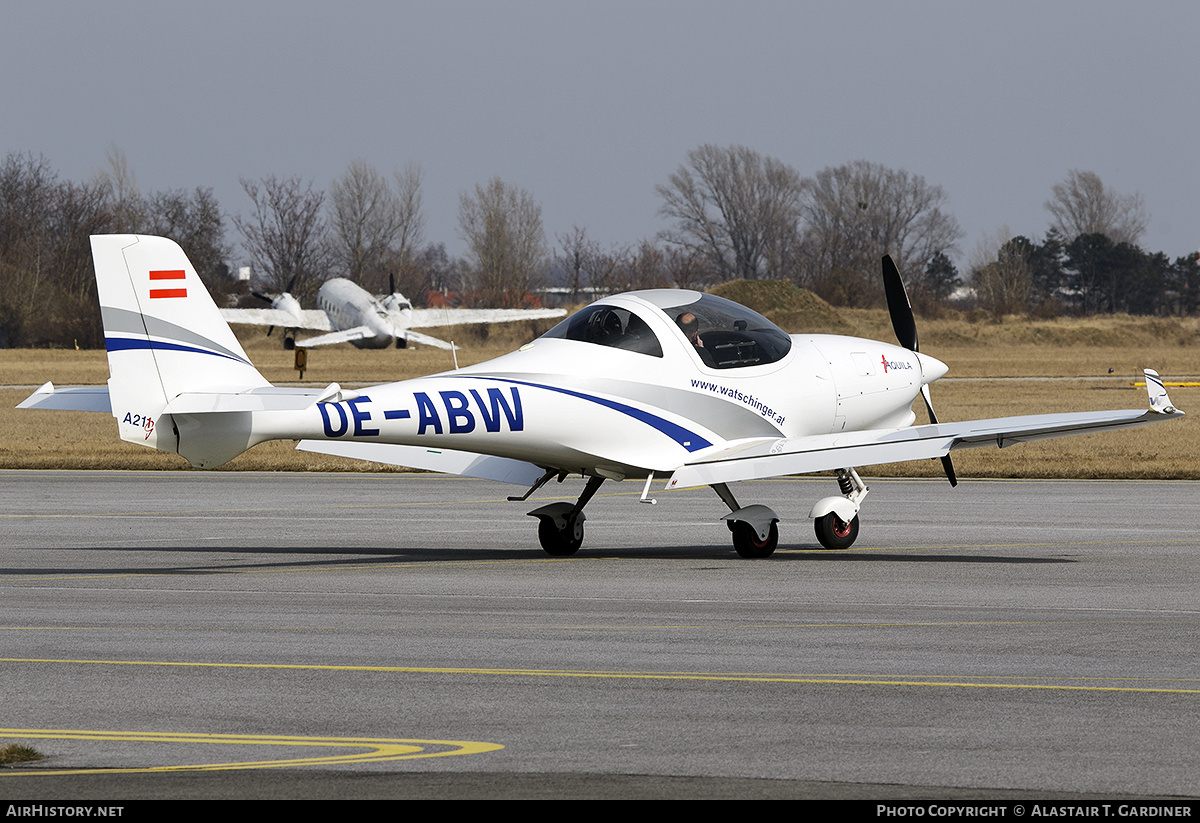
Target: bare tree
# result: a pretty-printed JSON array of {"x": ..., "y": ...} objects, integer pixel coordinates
[
  {"x": 687, "y": 269},
  {"x": 576, "y": 258},
  {"x": 363, "y": 223},
  {"x": 736, "y": 207},
  {"x": 194, "y": 221},
  {"x": 48, "y": 294},
  {"x": 502, "y": 225},
  {"x": 433, "y": 269},
  {"x": 128, "y": 208},
  {"x": 286, "y": 235},
  {"x": 856, "y": 213},
  {"x": 1082, "y": 204},
  {"x": 1001, "y": 273},
  {"x": 410, "y": 218},
  {"x": 375, "y": 227},
  {"x": 647, "y": 267}
]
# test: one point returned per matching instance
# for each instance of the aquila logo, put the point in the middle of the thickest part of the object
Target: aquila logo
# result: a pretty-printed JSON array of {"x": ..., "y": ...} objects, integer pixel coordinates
[{"x": 894, "y": 364}]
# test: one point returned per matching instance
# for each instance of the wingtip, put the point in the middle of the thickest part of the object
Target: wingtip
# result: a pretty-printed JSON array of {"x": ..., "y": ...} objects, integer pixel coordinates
[{"x": 1160, "y": 401}]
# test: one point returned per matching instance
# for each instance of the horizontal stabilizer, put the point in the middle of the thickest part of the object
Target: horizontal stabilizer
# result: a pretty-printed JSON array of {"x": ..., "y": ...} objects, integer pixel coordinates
[
  {"x": 272, "y": 398},
  {"x": 448, "y": 461},
  {"x": 75, "y": 398}
]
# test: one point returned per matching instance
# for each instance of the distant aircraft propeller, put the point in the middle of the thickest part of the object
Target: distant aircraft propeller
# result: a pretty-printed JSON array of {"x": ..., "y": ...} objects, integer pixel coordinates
[
  {"x": 905, "y": 326},
  {"x": 273, "y": 298}
]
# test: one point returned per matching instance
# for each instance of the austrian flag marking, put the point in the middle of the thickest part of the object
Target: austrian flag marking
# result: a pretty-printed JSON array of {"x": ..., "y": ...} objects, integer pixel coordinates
[{"x": 171, "y": 274}]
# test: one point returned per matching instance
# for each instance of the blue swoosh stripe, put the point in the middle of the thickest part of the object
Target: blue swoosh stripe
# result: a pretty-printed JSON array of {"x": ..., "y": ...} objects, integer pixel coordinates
[
  {"x": 688, "y": 439},
  {"x": 129, "y": 344}
]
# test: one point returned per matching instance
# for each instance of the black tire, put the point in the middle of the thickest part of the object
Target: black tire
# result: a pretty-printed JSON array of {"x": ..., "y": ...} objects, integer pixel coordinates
[
  {"x": 747, "y": 544},
  {"x": 835, "y": 533},
  {"x": 559, "y": 543}
]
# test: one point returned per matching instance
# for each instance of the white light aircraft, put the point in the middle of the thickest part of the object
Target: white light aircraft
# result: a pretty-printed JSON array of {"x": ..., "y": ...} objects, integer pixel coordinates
[
  {"x": 352, "y": 315},
  {"x": 665, "y": 383}
]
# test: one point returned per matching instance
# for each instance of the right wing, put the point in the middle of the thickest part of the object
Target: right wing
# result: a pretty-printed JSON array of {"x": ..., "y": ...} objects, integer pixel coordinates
[{"x": 773, "y": 457}]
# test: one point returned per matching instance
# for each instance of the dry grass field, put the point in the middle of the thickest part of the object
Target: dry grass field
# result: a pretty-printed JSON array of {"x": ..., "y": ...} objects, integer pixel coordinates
[{"x": 1084, "y": 349}]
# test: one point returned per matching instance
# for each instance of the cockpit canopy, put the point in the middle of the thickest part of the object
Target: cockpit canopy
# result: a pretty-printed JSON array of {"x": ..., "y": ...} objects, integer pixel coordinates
[
  {"x": 723, "y": 334},
  {"x": 613, "y": 326}
]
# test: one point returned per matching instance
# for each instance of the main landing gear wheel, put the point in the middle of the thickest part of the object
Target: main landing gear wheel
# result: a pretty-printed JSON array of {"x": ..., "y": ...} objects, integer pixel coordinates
[
  {"x": 747, "y": 543},
  {"x": 835, "y": 533},
  {"x": 560, "y": 542}
]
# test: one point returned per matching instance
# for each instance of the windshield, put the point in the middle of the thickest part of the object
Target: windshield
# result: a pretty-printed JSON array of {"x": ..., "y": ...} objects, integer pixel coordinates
[
  {"x": 609, "y": 326},
  {"x": 727, "y": 335}
]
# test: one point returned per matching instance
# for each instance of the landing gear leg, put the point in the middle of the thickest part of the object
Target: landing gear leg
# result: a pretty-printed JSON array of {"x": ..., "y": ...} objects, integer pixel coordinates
[
  {"x": 560, "y": 526},
  {"x": 755, "y": 528}
]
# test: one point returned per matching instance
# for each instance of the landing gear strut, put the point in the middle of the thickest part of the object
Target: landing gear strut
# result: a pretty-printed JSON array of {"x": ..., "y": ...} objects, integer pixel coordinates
[{"x": 560, "y": 526}]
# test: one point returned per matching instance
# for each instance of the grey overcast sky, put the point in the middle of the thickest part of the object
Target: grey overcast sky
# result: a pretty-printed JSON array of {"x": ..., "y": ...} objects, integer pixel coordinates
[{"x": 590, "y": 105}]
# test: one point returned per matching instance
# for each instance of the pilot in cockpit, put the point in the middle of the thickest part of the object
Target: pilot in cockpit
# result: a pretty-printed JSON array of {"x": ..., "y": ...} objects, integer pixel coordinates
[{"x": 690, "y": 326}]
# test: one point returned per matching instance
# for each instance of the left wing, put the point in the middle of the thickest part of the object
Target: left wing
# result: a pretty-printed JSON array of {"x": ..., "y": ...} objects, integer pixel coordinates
[
  {"x": 431, "y": 318},
  {"x": 801, "y": 455},
  {"x": 311, "y": 319},
  {"x": 449, "y": 461}
]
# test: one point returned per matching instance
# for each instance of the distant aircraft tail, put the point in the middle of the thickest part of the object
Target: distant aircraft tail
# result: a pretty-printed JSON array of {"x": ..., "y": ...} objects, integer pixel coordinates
[{"x": 166, "y": 340}]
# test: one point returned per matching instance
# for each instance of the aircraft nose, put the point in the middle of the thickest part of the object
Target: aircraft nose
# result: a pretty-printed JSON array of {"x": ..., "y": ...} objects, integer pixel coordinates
[{"x": 931, "y": 368}]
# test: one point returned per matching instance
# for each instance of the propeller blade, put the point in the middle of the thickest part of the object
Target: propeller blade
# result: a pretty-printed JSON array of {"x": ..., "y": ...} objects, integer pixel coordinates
[
  {"x": 947, "y": 463},
  {"x": 898, "y": 306}
]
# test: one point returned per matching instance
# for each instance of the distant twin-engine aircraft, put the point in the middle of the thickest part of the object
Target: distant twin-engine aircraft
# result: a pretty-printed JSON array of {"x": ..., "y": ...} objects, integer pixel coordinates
[
  {"x": 352, "y": 315},
  {"x": 663, "y": 383}
]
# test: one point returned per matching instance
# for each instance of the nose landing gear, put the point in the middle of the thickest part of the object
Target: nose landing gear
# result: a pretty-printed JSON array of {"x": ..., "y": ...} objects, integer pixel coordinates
[{"x": 835, "y": 519}]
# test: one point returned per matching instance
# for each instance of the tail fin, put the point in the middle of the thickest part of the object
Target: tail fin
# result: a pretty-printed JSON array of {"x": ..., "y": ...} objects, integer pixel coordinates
[{"x": 164, "y": 335}]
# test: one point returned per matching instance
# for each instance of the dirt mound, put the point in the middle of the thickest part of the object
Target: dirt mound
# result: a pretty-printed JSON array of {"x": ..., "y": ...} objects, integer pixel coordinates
[{"x": 791, "y": 308}]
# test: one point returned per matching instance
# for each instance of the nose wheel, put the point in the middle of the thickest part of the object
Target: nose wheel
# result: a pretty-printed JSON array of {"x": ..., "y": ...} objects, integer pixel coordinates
[
  {"x": 561, "y": 541},
  {"x": 560, "y": 525}
]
